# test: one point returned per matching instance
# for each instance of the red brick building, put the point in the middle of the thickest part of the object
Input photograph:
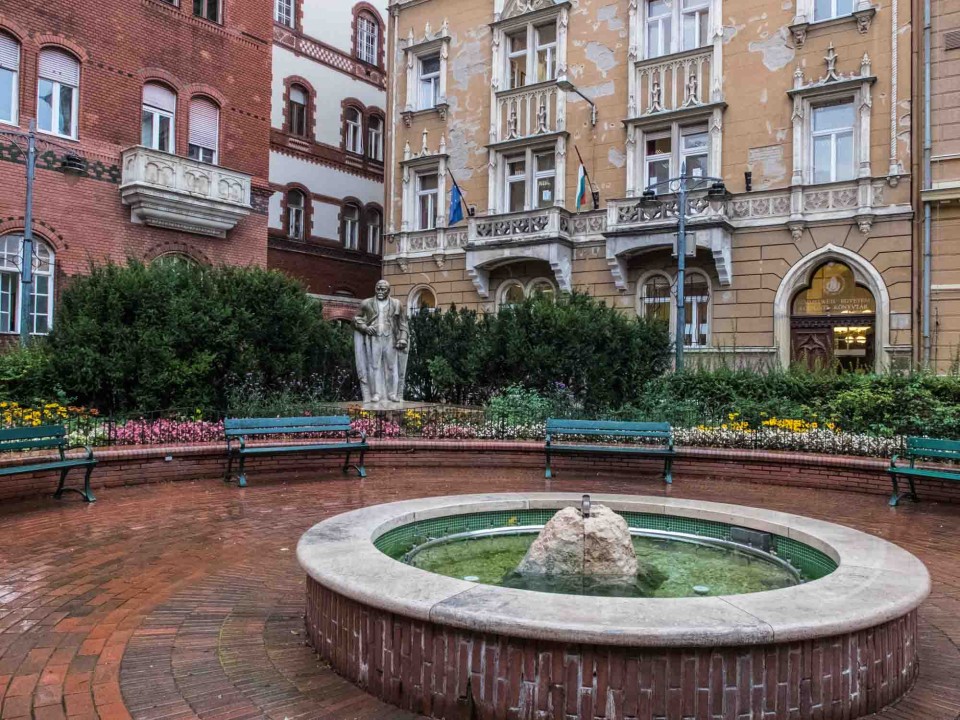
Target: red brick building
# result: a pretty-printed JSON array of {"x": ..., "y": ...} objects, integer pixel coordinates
[{"x": 152, "y": 134}]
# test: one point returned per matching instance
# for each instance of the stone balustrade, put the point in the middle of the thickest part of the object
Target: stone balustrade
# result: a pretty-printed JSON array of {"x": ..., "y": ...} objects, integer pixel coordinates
[
  {"x": 673, "y": 82},
  {"x": 528, "y": 111}
]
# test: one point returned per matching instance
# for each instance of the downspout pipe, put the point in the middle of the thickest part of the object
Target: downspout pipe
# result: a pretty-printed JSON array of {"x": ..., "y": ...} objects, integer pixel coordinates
[{"x": 927, "y": 185}]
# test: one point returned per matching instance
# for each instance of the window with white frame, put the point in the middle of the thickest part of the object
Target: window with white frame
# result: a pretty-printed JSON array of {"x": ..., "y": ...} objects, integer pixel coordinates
[
  {"x": 828, "y": 9},
  {"x": 422, "y": 299},
  {"x": 429, "y": 96},
  {"x": 297, "y": 110},
  {"x": 694, "y": 151},
  {"x": 675, "y": 26},
  {"x": 655, "y": 298},
  {"x": 354, "y": 131},
  {"x": 9, "y": 78},
  {"x": 374, "y": 232},
  {"x": 511, "y": 293},
  {"x": 697, "y": 310},
  {"x": 541, "y": 287},
  {"x": 156, "y": 120},
  {"x": 427, "y": 197},
  {"x": 532, "y": 54},
  {"x": 368, "y": 39},
  {"x": 351, "y": 227},
  {"x": 545, "y": 178},
  {"x": 41, "y": 297},
  {"x": 530, "y": 179},
  {"x": 296, "y": 206},
  {"x": 58, "y": 93},
  {"x": 283, "y": 12},
  {"x": 832, "y": 142},
  {"x": 516, "y": 183},
  {"x": 207, "y": 9},
  {"x": 203, "y": 139},
  {"x": 657, "y": 158},
  {"x": 666, "y": 152},
  {"x": 375, "y": 138}
]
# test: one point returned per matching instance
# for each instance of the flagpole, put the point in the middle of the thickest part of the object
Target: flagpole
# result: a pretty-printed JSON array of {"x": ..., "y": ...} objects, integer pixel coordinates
[
  {"x": 463, "y": 202},
  {"x": 586, "y": 174}
]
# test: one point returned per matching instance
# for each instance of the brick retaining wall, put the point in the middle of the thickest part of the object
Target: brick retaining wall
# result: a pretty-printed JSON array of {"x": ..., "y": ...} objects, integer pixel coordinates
[
  {"x": 135, "y": 465},
  {"x": 457, "y": 674}
]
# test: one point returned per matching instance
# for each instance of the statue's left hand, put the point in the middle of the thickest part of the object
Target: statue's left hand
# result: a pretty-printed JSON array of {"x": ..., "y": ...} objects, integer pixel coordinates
[{"x": 402, "y": 345}]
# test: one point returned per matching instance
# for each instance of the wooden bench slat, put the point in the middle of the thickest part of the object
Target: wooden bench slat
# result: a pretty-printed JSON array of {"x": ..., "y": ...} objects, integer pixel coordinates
[
  {"x": 273, "y": 449},
  {"x": 38, "y": 467},
  {"x": 927, "y": 472},
  {"x": 557, "y": 424},
  {"x": 236, "y": 423},
  {"x": 40, "y": 444},
  {"x": 287, "y": 430},
  {"x": 33, "y": 431},
  {"x": 638, "y": 449}
]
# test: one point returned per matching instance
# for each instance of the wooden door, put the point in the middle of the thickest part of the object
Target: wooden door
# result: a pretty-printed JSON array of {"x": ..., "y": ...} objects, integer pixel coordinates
[{"x": 812, "y": 346}]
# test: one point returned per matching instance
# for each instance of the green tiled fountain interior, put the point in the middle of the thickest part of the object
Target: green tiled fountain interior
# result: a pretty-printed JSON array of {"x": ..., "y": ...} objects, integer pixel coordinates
[{"x": 811, "y": 563}]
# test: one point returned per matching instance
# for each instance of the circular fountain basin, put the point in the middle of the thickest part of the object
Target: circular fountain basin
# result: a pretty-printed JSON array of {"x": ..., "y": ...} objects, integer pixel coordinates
[{"x": 840, "y": 645}]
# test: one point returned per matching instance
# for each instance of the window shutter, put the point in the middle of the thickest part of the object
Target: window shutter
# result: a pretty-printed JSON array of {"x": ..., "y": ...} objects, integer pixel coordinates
[
  {"x": 60, "y": 67},
  {"x": 297, "y": 95},
  {"x": 159, "y": 97},
  {"x": 9, "y": 53},
  {"x": 204, "y": 124}
]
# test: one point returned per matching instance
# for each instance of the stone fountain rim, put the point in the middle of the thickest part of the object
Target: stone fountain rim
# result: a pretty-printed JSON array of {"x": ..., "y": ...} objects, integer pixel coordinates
[{"x": 875, "y": 581}]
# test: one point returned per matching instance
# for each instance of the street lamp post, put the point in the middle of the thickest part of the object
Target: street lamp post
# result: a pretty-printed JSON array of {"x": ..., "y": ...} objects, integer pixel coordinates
[{"x": 682, "y": 186}]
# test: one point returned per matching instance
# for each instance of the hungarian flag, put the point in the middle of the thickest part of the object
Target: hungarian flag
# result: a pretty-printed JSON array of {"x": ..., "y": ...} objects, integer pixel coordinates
[{"x": 581, "y": 186}]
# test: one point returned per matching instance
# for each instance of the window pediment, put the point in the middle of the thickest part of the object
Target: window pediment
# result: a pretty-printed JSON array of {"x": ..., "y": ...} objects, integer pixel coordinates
[{"x": 521, "y": 11}]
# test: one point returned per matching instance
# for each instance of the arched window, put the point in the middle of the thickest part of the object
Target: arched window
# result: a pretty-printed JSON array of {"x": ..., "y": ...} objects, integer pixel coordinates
[
  {"x": 697, "y": 309},
  {"x": 351, "y": 226},
  {"x": 9, "y": 78},
  {"x": 655, "y": 298},
  {"x": 41, "y": 298},
  {"x": 58, "y": 93},
  {"x": 297, "y": 110},
  {"x": 296, "y": 206},
  {"x": 511, "y": 293},
  {"x": 541, "y": 287},
  {"x": 833, "y": 290},
  {"x": 157, "y": 116},
  {"x": 354, "y": 131},
  {"x": 374, "y": 232},
  {"x": 422, "y": 299},
  {"x": 283, "y": 12},
  {"x": 375, "y": 138},
  {"x": 368, "y": 38},
  {"x": 204, "y": 138}
]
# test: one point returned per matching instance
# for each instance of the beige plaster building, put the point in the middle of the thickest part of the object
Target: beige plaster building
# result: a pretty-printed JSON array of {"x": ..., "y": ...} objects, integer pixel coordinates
[{"x": 802, "y": 107}]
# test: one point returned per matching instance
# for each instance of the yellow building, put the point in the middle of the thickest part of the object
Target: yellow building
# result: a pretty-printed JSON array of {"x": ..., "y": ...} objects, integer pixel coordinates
[{"x": 801, "y": 107}]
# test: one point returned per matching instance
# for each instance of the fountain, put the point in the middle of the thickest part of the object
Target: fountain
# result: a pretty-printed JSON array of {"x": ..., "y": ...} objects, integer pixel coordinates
[{"x": 552, "y": 605}]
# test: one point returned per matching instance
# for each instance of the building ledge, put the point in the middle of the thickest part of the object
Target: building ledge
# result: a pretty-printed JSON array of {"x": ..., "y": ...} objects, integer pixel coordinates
[{"x": 177, "y": 193}]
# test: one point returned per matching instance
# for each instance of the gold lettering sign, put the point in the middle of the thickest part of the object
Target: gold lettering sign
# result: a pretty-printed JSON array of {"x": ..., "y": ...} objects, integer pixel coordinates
[{"x": 834, "y": 291}]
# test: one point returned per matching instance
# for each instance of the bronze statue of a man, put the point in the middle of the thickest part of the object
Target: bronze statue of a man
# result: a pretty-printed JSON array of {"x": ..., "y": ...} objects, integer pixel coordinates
[{"x": 380, "y": 343}]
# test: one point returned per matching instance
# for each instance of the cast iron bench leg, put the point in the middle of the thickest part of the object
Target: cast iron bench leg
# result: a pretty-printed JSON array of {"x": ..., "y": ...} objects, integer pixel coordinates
[
  {"x": 226, "y": 478},
  {"x": 241, "y": 475},
  {"x": 667, "y": 471},
  {"x": 549, "y": 472},
  {"x": 63, "y": 478},
  {"x": 87, "y": 495},
  {"x": 361, "y": 470},
  {"x": 346, "y": 464}
]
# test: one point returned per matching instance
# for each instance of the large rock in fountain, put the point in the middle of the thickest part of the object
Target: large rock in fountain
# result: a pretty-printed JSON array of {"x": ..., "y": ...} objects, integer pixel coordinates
[
  {"x": 558, "y": 549},
  {"x": 607, "y": 546}
]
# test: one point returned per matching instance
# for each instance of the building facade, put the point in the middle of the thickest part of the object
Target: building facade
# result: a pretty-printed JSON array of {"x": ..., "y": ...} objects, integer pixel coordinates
[
  {"x": 151, "y": 121},
  {"x": 802, "y": 109},
  {"x": 327, "y": 143},
  {"x": 938, "y": 164}
]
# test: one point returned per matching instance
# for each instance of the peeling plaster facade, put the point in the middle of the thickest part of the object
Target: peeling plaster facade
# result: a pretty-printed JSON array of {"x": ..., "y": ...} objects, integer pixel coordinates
[{"x": 742, "y": 99}]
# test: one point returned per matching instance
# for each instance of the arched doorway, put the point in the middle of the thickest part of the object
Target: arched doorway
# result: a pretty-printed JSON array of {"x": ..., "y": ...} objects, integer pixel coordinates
[{"x": 833, "y": 320}]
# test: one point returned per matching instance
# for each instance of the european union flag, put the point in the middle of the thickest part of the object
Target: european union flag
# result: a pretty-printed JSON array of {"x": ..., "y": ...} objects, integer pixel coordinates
[{"x": 456, "y": 206}]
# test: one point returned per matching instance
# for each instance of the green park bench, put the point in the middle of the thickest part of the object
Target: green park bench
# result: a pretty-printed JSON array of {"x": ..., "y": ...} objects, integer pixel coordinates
[
  {"x": 923, "y": 448},
  {"x": 46, "y": 437},
  {"x": 656, "y": 440},
  {"x": 242, "y": 429}
]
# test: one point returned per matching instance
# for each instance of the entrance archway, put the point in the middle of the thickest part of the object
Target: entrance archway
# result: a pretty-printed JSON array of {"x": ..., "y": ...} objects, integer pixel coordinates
[{"x": 833, "y": 321}]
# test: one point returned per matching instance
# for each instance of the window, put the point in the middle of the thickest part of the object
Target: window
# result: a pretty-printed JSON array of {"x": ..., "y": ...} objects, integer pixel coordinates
[
  {"x": 694, "y": 146},
  {"x": 422, "y": 299},
  {"x": 541, "y": 287},
  {"x": 297, "y": 110},
  {"x": 655, "y": 299},
  {"x": 351, "y": 227},
  {"x": 58, "y": 93},
  {"x": 666, "y": 152},
  {"x": 511, "y": 293},
  {"x": 517, "y": 58},
  {"x": 657, "y": 156},
  {"x": 538, "y": 66},
  {"x": 204, "y": 135},
  {"x": 676, "y": 25},
  {"x": 156, "y": 124},
  {"x": 9, "y": 78},
  {"x": 368, "y": 39},
  {"x": 530, "y": 180},
  {"x": 375, "y": 138},
  {"x": 429, "y": 82},
  {"x": 427, "y": 195},
  {"x": 697, "y": 305},
  {"x": 283, "y": 12},
  {"x": 827, "y": 9},
  {"x": 516, "y": 184},
  {"x": 545, "y": 178},
  {"x": 374, "y": 232},
  {"x": 207, "y": 9},
  {"x": 41, "y": 298},
  {"x": 832, "y": 142},
  {"x": 546, "y": 52},
  {"x": 354, "y": 132},
  {"x": 296, "y": 206}
]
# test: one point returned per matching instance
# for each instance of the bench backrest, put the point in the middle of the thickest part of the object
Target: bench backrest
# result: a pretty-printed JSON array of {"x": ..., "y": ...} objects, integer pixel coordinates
[
  {"x": 646, "y": 430},
  {"x": 33, "y": 438},
  {"x": 235, "y": 427},
  {"x": 933, "y": 448}
]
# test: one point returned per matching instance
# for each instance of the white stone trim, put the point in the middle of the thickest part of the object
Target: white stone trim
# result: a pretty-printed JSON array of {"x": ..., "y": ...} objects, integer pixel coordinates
[
  {"x": 414, "y": 294},
  {"x": 414, "y": 50},
  {"x": 798, "y": 277},
  {"x": 480, "y": 260}
]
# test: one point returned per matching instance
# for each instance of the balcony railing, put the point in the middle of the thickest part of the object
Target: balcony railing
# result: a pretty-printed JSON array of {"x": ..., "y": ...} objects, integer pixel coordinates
[
  {"x": 178, "y": 193},
  {"x": 531, "y": 226},
  {"x": 528, "y": 111},
  {"x": 630, "y": 213},
  {"x": 674, "y": 82}
]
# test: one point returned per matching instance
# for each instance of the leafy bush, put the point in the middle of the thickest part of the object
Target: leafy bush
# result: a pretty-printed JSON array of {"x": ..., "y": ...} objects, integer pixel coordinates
[{"x": 25, "y": 374}]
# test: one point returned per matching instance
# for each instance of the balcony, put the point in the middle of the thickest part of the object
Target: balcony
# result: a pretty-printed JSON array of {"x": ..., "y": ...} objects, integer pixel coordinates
[
  {"x": 177, "y": 193},
  {"x": 529, "y": 111},
  {"x": 543, "y": 234},
  {"x": 674, "y": 82}
]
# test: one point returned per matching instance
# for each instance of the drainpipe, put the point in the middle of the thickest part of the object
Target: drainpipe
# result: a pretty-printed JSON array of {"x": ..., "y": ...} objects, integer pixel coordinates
[{"x": 927, "y": 184}]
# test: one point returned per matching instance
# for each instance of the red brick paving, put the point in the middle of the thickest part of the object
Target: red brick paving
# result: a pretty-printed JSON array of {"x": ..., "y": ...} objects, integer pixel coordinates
[{"x": 184, "y": 600}]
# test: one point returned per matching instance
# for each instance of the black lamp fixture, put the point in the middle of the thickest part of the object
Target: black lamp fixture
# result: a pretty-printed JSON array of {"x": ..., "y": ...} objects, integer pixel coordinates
[
  {"x": 748, "y": 180},
  {"x": 649, "y": 199},
  {"x": 73, "y": 163},
  {"x": 595, "y": 194}
]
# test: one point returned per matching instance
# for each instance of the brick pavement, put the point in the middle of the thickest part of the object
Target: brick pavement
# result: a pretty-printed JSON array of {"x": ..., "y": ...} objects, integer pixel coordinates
[{"x": 184, "y": 600}]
